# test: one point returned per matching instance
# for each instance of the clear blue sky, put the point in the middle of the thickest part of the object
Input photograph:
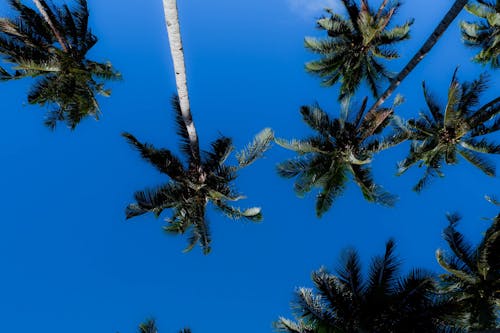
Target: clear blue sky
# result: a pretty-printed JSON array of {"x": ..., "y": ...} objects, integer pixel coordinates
[{"x": 71, "y": 263}]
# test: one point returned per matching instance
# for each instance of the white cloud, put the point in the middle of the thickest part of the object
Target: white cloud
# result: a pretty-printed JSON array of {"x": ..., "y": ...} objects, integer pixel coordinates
[{"x": 308, "y": 8}]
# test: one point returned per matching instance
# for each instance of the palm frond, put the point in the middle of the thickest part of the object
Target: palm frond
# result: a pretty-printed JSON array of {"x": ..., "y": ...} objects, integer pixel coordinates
[
  {"x": 161, "y": 159},
  {"x": 256, "y": 149}
]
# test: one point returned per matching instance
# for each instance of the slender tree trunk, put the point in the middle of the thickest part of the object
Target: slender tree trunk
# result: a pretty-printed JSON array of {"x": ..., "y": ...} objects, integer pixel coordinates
[
  {"x": 47, "y": 19},
  {"x": 429, "y": 43},
  {"x": 174, "y": 37}
]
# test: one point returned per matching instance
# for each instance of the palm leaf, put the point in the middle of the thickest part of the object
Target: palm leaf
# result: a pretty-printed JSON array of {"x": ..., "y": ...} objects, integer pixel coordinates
[{"x": 255, "y": 150}]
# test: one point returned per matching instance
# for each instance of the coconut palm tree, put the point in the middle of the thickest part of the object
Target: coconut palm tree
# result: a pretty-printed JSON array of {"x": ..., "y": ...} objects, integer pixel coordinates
[
  {"x": 384, "y": 302},
  {"x": 458, "y": 128},
  {"x": 449, "y": 17},
  {"x": 341, "y": 147},
  {"x": 51, "y": 46},
  {"x": 472, "y": 276},
  {"x": 484, "y": 34},
  {"x": 354, "y": 46},
  {"x": 149, "y": 326},
  {"x": 194, "y": 184}
]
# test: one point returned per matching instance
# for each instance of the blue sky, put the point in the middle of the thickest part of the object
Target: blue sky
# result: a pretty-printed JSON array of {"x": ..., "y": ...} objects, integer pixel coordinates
[{"x": 69, "y": 260}]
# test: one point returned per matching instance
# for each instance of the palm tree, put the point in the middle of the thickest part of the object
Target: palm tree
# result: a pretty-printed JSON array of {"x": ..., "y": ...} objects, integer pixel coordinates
[
  {"x": 341, "y": 146},
  {"x": 149, "y": 326},
  {"x": 51, "y": 46},
  {"x": 190, "y": 190},
  {"x": 484, "y": 34},
  {"x": 384, "y": 302},
  {"x": 354, "y": 45},
  {"x": 452, "y": 13},
  {"x": 473, "y": 275},
  {"x": 457, "y": 128}
]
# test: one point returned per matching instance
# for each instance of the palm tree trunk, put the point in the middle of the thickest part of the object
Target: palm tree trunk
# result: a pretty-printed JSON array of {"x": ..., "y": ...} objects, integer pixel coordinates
[
  {"x": 174, "y": 37},
  {"x": 47, "y": 19},
  {"x": 429, "y": 43}
]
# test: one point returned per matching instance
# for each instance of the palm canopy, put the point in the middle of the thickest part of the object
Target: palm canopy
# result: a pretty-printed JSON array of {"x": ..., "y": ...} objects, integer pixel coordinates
[
  {"x": 195, "y": 183},
  {"x": 473, "y": 275},
  {"x": 149, "y": 326},
  {"x": 65, "y": 80},
  {"x": 355, "y": 45},
  {"x": 382, "y": 302},
  {"x": 341, "y": 146},
  {"x": 458, "y": 128},
  {"x": 484, "y": 34}
]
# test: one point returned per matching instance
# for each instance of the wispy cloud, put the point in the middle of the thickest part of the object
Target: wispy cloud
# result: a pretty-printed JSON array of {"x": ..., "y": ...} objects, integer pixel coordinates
[{"x": 307, "y": 8}]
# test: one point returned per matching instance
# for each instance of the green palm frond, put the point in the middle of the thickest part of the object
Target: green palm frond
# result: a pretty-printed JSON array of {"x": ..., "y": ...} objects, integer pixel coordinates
[
  {"x": 162, "y": 159},
  {"x": 252, "y": 214},
  {"x": 255, "y": 150},
  {"x": 149, "y": 326},
  {"x": 485, "y": 33}
]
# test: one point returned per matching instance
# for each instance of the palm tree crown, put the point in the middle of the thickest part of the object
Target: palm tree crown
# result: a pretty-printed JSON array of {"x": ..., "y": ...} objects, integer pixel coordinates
[
  {"x": 473, "y": 275},
  {"x": 354, "y": 45},
  {"x": 194, "y": 185},
  {"x": 52, "y": 48},
  {"x": 342, "y": 146},
  {"x": 385, "y": 302},
  {"x": 484, "y": 34},
  {"x": 443, "y": 132}
]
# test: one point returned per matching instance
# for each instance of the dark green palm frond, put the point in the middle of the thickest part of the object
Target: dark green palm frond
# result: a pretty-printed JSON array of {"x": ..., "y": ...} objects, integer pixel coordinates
[
  {"x": 332, "y": 184},
  {"x": 148, "y": 326},
  {"x": 451, "y": 111},
  {"x": 221, "y": 149},
  {"x": 155, "y": 200},
  {"x": 383, "y": 270},
  {"x": 460, "y": 247},
  {"x": 432, "y": 104},
  {"x": 334, "y": 293},
  {"x": 253, "y": 214},
  {"x": 185, "y": 143},
  {"x": 255, "y": 150},
  {"x": 162, "y": 159},
  {"x": 316, "y": 118},
  {"x": 371, "y": 191},
  {"x": 349, "y": 272},
  {"x": 200, "y": 232},
  {"x": 471, "y": 92},
  {"x": 478, "y": 161}
]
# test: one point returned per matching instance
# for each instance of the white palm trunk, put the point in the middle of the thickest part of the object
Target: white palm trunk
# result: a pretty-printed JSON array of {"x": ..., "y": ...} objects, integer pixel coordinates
[
  {"x": 174, "y": 37},
  {"x": 46, "y": 17}
]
